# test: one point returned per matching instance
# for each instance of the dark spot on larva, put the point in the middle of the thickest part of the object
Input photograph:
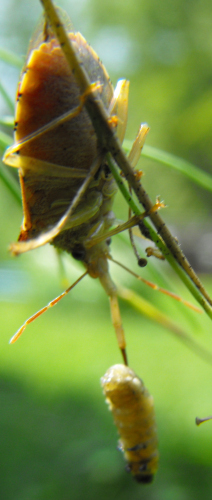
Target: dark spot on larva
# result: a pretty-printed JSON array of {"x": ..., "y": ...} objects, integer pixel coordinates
[
  {"x": 140, "y": 446},
  {"x": 148, "y": 478},
  {"x": 128, "y": 468}
]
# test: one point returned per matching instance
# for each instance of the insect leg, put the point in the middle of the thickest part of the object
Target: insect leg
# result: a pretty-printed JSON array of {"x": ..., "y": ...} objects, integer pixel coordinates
[
  {"x": 111, "y": 291},
  {"x": 157, "y": 288},
  {"x": 24, "y": 246},
  {"x": 133, "y": 157},
  {"x": 119, "y": 107},
  {"x": 44, "y": 309},
  {"x": 199, "y": 421},
  {"x": 117, "y": 323},
  {"x": 155, "y": 252},
  {"x": 16, "y": 148},
  {"x": 134, "y": 221},
  {"x": 138, "y": 144}
]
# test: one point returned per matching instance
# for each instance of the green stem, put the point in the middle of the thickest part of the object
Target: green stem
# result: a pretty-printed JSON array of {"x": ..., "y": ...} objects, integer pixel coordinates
[
  {"x": 6, "y": 97},
  {"x": 10, "y": 183},
  {"x": 158, "y": 241},
  {"x": 11, "y": 58},
  {"x": 193, "y": 173}
]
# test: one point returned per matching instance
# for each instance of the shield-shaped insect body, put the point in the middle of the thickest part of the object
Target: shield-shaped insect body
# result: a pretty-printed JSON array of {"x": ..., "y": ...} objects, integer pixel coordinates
[
  {"x": 67, "y": 187},
  {"x": 56, "y": 146}
]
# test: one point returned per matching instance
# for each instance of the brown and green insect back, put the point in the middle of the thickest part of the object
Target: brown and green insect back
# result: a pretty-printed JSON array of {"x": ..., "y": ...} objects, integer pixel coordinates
[
  {"x": 133, "y": 411},
  {"x": 64, "y": 154},
  {"x": 54, "y": 162}
]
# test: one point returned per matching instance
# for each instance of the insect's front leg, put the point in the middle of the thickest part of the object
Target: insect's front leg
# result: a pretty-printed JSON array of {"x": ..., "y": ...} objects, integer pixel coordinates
[
  {"x": 13, "y": 153},
  {"x": 119, "y": 107},
  {"x": 133, "y": 221},
  {"x": 138, "y": 144},
  {"x": 49, "y": 235}
]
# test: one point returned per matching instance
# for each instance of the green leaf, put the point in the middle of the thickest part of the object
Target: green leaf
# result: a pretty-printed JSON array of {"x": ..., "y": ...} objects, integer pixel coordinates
[{"x": 11, "y": 58}]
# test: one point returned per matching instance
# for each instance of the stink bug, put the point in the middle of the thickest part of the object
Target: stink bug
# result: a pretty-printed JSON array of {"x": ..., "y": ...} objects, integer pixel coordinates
[{"x": 67, "y": 187}]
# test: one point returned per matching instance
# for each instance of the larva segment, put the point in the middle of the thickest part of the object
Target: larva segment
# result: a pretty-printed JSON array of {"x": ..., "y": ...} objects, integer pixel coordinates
[{"x": 133, "y": 412}]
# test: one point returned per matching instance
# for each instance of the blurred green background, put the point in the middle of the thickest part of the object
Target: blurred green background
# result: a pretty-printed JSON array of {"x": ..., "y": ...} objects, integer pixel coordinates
[{"x": 57, "y": 439}]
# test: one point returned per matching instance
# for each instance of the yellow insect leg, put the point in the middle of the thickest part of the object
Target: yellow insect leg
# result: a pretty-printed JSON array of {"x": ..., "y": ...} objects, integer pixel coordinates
[
  {"x": 9, "y": 158},
  {"x": 25, "y": 246},
  {"x": 134, "y": 221},
  {"x": 201, "y": 420},
  {"x": 111, "y": 291},
  {"x": 117, "y": 323},
  {"x": 138, "y": 144},
  {"x": 119, "y": 107},
  {"x": 44, "y": 309}
]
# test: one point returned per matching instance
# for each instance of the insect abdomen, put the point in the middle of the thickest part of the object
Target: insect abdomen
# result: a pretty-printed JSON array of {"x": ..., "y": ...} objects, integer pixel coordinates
[{"x": 133, "y": 413}]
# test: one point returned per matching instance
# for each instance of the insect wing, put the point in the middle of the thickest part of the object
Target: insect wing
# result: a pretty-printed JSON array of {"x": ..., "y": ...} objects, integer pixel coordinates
[{"x": 47, "y": 91}]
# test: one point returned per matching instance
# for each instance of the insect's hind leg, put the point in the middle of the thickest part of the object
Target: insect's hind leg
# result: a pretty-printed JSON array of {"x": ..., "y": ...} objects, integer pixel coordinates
[
  {"x": 111, "y": 291},
  {"x": 117, "y": 323}
]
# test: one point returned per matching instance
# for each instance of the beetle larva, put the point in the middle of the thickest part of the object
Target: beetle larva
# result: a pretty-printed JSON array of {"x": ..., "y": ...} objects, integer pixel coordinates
[{"x": 133, "y": 412}]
